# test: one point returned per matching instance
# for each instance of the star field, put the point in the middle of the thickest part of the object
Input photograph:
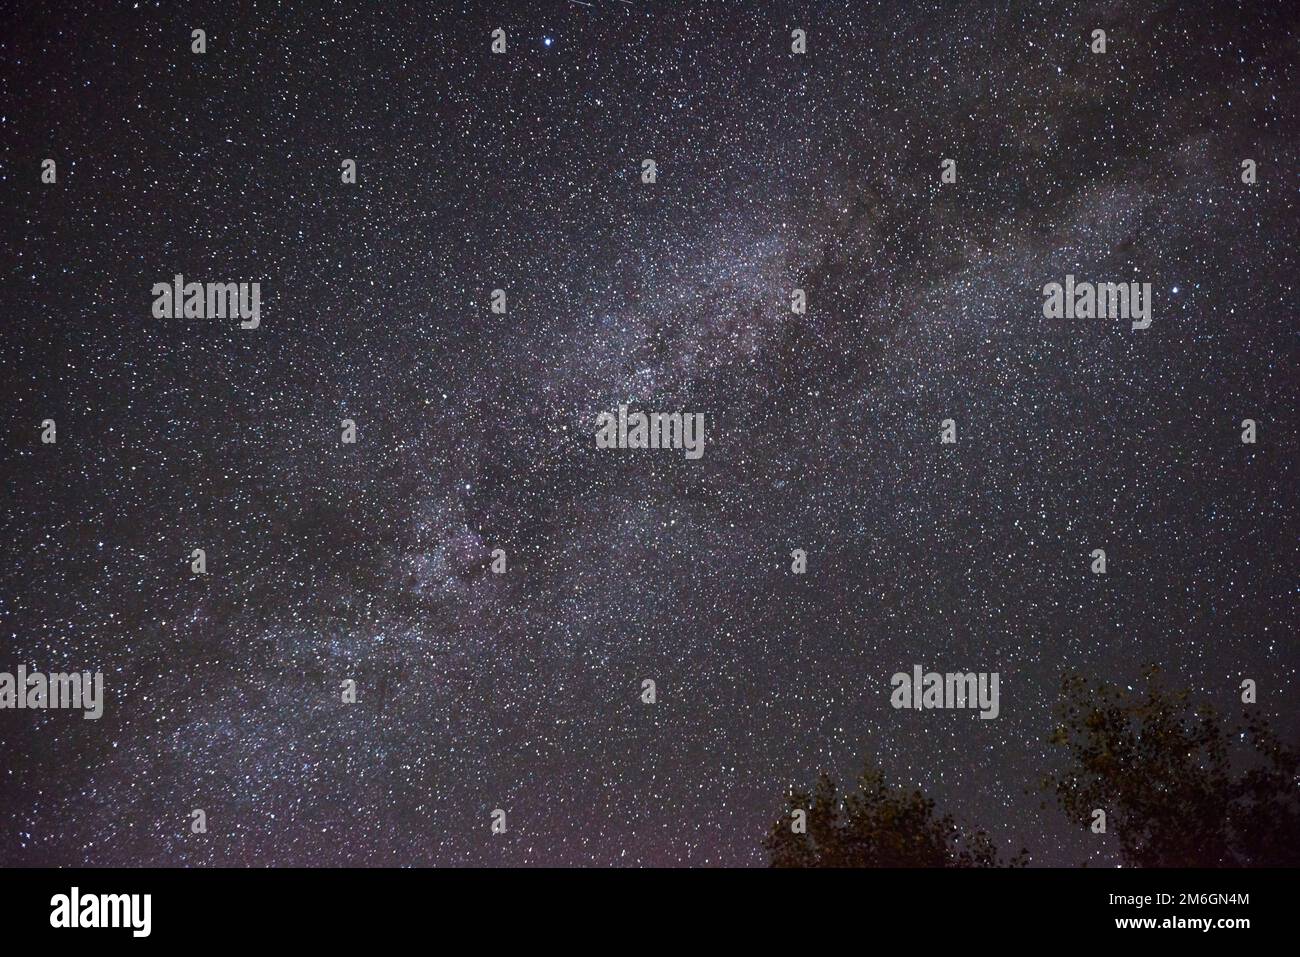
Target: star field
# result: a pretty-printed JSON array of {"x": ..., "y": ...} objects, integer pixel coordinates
[{"x": 521, "y": 171}]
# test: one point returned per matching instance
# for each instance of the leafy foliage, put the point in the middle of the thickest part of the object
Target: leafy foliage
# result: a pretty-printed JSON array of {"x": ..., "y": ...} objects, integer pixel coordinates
[
  {"x": 876, "y": 826},
  {"x": 1179, "y": 787}
]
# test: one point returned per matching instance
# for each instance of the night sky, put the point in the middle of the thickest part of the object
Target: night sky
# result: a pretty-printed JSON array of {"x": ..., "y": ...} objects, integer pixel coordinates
[{"x": 522, "y": 171}]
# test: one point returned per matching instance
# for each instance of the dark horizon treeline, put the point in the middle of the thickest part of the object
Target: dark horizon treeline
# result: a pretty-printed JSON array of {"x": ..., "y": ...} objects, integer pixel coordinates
[{"x": 1179, "y": 787}]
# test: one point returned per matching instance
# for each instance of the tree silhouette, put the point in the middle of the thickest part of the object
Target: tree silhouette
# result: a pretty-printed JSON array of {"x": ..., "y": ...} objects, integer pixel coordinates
[
  {"x": 1179, "y": 788},
  {"x": 877, "y": 826}
]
